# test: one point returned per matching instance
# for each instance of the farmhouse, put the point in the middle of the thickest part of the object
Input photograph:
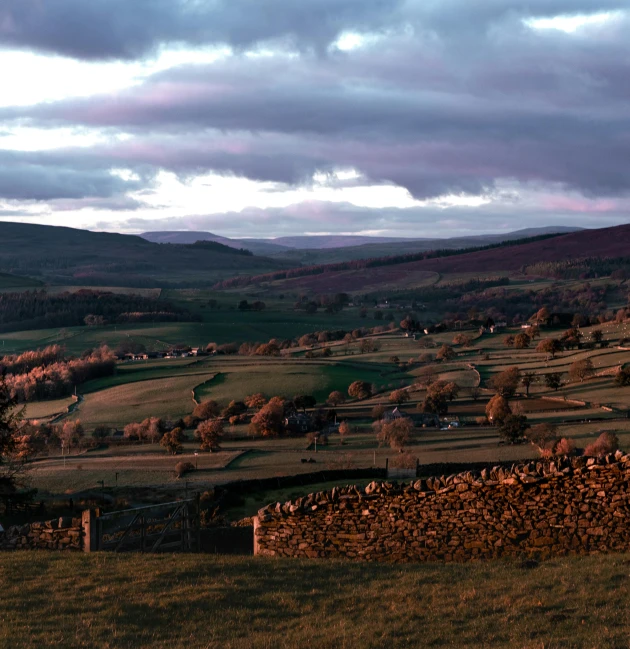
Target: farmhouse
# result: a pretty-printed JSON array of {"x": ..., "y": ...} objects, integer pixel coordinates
[{"x": 298, "y": 423}]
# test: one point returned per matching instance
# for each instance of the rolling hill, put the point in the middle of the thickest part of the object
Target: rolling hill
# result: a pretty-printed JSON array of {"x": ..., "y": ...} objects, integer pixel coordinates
[
  {"x": 69, "y": 256},
  {"x": 257, "y": 246},
  {"x": 396, "y": 271}
]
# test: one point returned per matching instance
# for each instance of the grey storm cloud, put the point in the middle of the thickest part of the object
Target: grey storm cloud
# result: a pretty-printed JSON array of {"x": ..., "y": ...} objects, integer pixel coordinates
[
  {"x": 124, "y": 29},
  {"x": 46, "y": 177},
  {"x": 452, "y": 97}
]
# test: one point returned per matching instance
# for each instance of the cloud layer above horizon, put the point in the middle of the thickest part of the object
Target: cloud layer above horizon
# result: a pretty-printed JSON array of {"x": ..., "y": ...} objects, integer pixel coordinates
[{"x": 277, "y": 117}]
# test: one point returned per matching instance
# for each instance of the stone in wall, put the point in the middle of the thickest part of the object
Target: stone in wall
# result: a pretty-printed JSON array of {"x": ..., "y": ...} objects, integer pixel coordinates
[
  {"x": 542, "y": 509},
  {"x": 63, "y": 533}
]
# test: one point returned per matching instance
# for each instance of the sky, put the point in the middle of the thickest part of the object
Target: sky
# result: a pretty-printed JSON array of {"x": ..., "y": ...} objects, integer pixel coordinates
[{"x": 265, "y": 118}]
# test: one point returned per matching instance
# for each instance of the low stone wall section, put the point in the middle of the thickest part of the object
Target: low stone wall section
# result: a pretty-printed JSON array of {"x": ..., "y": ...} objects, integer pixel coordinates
[
  {"x": 58, "y": 534},
  {"x": 540, "y": 509}
]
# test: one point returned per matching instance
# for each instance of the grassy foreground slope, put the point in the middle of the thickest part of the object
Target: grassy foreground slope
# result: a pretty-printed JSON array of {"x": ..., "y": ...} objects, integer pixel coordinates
[{"x": 194, "y": 602}]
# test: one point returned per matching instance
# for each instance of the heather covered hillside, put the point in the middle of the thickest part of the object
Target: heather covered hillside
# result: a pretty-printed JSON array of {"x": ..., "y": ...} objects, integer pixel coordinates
[{"x": 578, "y": 254}]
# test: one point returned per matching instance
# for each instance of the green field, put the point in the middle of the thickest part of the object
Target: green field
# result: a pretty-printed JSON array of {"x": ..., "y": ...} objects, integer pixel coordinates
[
  {"x": 16, "y": 283},
  {"x": 207, "y": 602}
]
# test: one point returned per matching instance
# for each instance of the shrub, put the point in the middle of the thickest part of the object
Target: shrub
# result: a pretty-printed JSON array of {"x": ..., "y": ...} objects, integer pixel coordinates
[
  {"x": 566, "y": 446},
  {"x": 606, "y": 443},
  {"x": 404, "y": 460},
  {"x": 182, "y": 468}
]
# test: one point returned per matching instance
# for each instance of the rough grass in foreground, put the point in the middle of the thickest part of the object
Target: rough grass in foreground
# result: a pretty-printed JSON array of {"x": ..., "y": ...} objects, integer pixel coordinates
[{"x": 202, "y": 601}]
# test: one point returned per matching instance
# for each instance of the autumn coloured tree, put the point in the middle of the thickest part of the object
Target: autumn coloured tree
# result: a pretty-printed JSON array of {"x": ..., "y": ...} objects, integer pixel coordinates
[
  {"x": 395, "y": 433},
  {"x": 581, "y": 369},
  {"x": 344, "y": 430},
  {"x": 399, "y": 396},
  {"x": 445, "y": 353},
  {"x": 72, "y": 433},
  {"x": 513, "y": 427},
  {"x": 543, "y": 436},
  {"x": 172, "y": 441},
  {"x": 553, "y": 380},
  {"x": 206, "y": 410},
  {"x": 522, "y": 341},
  {"x": 360, "y": 390},
  {"x": 255, "y": 401},
  {"x": 549, "y": 346},
  {"x": 462, "y": 339},
  {"x": 9, "y": 421},
  {"x": 506, "y": 383},
  {"x": 304, "y": 401},
  {"x": 336, "y": 398},
  {"x": 527, "y": 380},
  {"x": 268, "y": 421},
  {"x": 497, "y": 410},
  {"x": 209, "y": 434},
  {"x": 622, "y": 378}
]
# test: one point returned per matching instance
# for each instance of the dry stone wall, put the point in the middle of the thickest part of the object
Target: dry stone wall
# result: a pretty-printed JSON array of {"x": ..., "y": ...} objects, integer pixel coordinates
[
  {"x": 567, "y": 506},
  {"x": 58, "y": 534}
]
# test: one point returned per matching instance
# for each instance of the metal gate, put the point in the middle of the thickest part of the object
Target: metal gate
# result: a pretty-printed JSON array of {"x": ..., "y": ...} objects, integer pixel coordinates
[{"x": 168, "y": 527}]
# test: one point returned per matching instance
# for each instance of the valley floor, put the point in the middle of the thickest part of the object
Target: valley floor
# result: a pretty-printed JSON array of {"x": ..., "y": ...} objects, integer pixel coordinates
[{"x": 202, "y": 601}]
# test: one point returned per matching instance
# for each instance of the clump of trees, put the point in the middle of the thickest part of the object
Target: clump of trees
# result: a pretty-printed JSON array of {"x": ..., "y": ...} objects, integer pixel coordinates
[
  {"x": 10, "y": 464},
  {"x": 55, "y": 377},
  {"x": 173, "y": 440},
  {"x": 150, "y": 429},
  {"x": 268, "y": 421},
  {"x": 439, "y": 394}
]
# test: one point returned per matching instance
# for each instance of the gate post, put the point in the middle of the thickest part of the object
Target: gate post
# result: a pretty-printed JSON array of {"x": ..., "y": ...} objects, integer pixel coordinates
[
  {"x": 256, "y": 522},
  {"x": 90, "y": 535}
]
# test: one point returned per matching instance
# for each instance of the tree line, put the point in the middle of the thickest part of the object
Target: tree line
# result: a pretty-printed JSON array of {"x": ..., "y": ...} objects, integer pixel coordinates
[{"x": 41, "y": 310}]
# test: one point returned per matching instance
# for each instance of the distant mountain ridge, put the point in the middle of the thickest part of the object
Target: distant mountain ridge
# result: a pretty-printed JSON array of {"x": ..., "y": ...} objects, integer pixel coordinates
[{"x": 321, "y": 249}]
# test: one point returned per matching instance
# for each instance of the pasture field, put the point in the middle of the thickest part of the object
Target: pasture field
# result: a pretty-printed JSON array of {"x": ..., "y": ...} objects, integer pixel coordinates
[
  {"x": 139, "y": 466},
  {"x": 220, "y": 326},
  {"x": 243, "y": 458},
  {"x": 46, "y": 409},
  {"x": 209, "y": 602},
  {"x": 167, "y": 388},
  {"x": 236, "y": 379},
  {"x": 169, "y": 398}
]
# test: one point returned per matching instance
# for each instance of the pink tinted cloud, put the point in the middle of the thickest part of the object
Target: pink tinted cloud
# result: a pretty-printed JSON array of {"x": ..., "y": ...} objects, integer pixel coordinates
[{"x": 582, "y": 205}]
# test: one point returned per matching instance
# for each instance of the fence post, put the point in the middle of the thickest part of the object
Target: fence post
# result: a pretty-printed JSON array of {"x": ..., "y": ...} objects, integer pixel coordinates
[{"x": 90, "y": 534}]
